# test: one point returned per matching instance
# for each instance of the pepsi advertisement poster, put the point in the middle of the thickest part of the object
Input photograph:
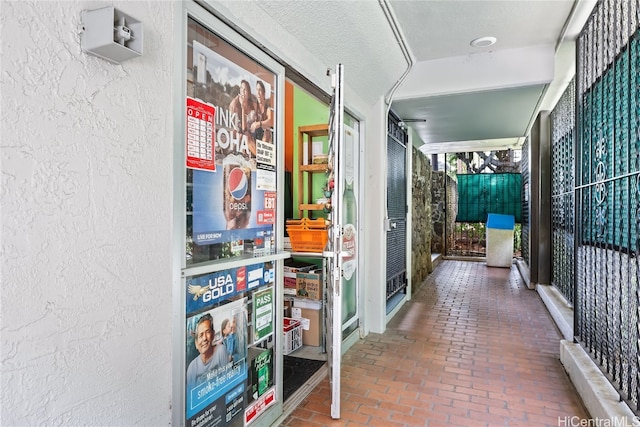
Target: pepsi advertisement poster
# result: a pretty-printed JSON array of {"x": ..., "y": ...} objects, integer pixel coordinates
[
  {"x": 234, "y": 200},
  {"x": 217, "y": 368},
  {"x": 246, "y": 217}
]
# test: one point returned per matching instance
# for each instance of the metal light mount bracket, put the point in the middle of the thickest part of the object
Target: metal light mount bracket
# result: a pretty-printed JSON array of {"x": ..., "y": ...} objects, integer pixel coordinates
[{"x": 111, "y": 34}]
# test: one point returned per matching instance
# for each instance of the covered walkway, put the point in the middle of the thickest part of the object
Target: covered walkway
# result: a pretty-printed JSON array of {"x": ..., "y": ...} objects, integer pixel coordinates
[{"x": 474, "y": 347}]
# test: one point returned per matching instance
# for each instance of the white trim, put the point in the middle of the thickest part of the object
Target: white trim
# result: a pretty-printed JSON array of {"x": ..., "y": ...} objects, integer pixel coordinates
[
  {"x": 598, "y": 395},
  {"x": 559, "y": 309}
]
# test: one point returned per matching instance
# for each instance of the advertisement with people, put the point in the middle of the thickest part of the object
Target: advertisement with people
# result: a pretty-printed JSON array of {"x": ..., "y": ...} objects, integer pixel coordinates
[
  {"x": 217, "y": 338},
  {"x": 234, "y": 199},
  {"x": 216, "y": 373}
]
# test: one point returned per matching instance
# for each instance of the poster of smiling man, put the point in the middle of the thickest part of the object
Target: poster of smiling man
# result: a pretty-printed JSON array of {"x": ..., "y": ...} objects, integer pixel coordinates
[
  {"x": 234, "y": 200},
  {"x": 216, "y": 371}
]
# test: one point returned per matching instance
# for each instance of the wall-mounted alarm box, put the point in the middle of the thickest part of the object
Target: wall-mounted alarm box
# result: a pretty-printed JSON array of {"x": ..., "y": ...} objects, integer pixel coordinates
[{"x": 111, "y": 34}]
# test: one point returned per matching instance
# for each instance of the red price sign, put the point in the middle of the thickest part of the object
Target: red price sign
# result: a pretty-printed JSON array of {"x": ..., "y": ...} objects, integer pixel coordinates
[{"x": 200, "y": 135}]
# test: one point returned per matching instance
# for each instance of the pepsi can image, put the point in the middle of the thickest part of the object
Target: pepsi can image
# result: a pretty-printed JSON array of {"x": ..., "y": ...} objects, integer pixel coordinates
[{"x": 237, "y": 191}]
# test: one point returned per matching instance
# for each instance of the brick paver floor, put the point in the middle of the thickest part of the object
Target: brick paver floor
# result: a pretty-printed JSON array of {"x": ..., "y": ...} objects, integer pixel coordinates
[{"x": 474, "y": 347}]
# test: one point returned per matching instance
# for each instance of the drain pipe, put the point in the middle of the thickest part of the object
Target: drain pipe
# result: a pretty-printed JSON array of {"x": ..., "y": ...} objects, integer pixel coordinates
[
  {"x": 391, "y": 19},
  {"x": 397, "y": 33}
]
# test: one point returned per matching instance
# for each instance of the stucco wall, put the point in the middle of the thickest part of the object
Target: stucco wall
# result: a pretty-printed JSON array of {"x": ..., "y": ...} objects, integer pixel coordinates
[
  {"x": 86, "y": 221},
  {"x": 87, "y": 155}
]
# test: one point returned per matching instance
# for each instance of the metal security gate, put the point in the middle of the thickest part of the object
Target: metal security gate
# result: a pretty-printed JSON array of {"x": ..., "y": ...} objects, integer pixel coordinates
[
  {"x": 607, "y": 195},
  {"x": 486, "y": 182},
  {"x": 396, "y": 208}
]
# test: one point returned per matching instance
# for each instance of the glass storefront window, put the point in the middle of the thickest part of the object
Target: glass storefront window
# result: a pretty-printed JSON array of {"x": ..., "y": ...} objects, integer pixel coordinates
[{"x": 231, "y": 151}]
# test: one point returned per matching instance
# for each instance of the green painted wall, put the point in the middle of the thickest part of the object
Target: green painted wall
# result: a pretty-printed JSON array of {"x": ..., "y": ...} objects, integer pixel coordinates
[{"x": 307, "y": 110}]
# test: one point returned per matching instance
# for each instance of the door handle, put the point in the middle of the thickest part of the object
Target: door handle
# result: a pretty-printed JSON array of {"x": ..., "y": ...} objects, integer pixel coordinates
[{"x": 390, "y": 224}]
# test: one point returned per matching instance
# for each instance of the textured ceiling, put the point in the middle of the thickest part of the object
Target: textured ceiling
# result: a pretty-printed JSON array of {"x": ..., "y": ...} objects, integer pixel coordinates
[
  {"x": 438, "y": 29},
  {"x": 353, "y": 33},
  {"x": 462, "y": 96}
]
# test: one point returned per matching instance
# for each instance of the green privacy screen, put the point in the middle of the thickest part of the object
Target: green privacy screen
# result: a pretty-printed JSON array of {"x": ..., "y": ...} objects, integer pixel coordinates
[{"x": 484, "y": 193}]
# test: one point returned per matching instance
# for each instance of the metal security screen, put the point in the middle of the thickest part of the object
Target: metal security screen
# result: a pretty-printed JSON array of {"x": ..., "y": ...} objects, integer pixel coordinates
[
  {"x": 562, "y": 189},
  {"x": 396, "y": 208},
  {"x": 524, "y": 166},
  {"x": 607, "y": 193}
]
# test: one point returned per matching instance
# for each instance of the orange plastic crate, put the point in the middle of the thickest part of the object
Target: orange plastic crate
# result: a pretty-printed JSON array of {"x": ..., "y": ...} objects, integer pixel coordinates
[{"x": 307, "y": 235}]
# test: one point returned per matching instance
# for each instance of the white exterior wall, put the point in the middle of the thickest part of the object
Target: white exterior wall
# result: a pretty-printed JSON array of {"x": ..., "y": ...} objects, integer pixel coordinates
[
  {"x": 374, "y": 284},
  {"x": 86, "y": 221}
]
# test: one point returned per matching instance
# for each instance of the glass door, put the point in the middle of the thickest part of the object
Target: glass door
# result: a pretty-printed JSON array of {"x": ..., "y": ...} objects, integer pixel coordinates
[
  {"x": 342, "y": 259},
  {"x": 229, "y": 240}
]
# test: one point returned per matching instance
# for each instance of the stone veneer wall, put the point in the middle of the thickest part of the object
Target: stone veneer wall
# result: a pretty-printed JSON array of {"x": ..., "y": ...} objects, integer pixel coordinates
[
  {"x": 444, "y": 195},
  {"x": 421, "y": 234},
  {"x": 438, "y": 211}
]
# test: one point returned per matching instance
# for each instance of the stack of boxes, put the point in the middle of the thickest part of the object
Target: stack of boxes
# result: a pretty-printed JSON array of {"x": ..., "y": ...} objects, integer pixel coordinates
[
  {"x": 303, "y": 288},
  {"x": 291, "y": 270}
]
